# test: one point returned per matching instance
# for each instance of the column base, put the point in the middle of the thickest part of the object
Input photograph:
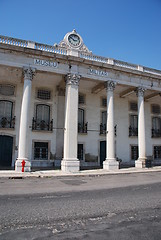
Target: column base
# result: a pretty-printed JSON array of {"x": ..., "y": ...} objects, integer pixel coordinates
[
  {"x": 140, "y": 163},
  {"x": 68, "y": 165},
  {"x": 18, "y": 165},
  {"x": 111, "y": 164}
]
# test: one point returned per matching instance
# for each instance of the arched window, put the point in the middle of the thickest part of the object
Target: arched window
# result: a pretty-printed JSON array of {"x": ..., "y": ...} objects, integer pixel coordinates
[
  {"x": 6, "y": 108},
  {"x": 82, "y": 126},
  {"x": 43, "y": 113},
  {"x": 42, "y": 118}
]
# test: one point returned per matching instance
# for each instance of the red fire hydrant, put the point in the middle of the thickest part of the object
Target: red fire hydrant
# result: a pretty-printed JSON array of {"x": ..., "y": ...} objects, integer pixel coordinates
[{"x": 23, "y": 165}]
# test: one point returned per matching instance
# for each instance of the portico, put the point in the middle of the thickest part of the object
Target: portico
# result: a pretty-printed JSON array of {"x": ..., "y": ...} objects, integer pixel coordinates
[{"x": 67, "y": 106}]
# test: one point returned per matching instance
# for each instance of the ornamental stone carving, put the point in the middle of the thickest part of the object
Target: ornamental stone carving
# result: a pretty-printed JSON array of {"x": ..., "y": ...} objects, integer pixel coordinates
[
  {"x": 72, "y": 40},
  {"x": 140, "y": 92},
  {"x": 28, "y": 73},
  {"x": 72, "y": 79},
  {"x": 110, "y": 85}
]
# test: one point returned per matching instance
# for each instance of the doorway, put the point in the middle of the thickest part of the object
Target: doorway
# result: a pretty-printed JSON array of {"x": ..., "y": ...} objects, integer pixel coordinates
[
  {"x": 6, "y": 143},
  {"x": 102, "y": 152}
]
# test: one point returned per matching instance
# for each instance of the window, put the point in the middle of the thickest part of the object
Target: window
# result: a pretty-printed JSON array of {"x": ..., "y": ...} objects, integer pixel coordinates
[
  {"x": 103, "y": 123},
  {"x": 7, "y": 90},
  {"x": 80, "y": 152},
  {"x": 133, "y": 129},
  {"x": 81, "y": 99},
  {"x": 82, "y": 127},
  {"x": 104, "y": 102},
  {"x": 157, "y": 152},
  {"x": 134, "y": 152},
  {"x": 104, "y": 117},
  {"x": 42, "y": 121},
  {"x": 6, "y": 120},
  {"x": 156, "y": 127},
  {"x": 133, "y": 106},
  {"x": 41, "y": 150},
  {"x": 155, "y": 109},
  {"x": 43, "y": 113},
  {"x": 43, "y": 94},
  {"x": 81, "y": 116}
]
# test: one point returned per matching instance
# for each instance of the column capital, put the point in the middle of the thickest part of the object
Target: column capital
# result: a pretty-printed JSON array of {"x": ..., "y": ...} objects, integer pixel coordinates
[
  {"x": 140, "y": 92},
  {"x": 110, "y": 85},
  {"x": 72, "y": 79},
  {"x": 28, "y": 73}
]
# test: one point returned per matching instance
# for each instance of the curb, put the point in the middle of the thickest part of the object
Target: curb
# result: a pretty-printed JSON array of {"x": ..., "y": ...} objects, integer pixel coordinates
[{"x": 85, "y": 173}]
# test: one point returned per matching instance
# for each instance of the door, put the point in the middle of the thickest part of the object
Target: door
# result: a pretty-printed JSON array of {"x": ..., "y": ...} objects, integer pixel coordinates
[
  {"x": 6, "y": 143},
  {"x": 80, "y": 152},
  {"x": 102, "y": 152}
]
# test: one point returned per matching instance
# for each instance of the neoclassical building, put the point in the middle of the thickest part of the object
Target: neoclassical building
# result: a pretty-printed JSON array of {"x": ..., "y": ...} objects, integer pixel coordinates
[{"x": 62, "y": 105}]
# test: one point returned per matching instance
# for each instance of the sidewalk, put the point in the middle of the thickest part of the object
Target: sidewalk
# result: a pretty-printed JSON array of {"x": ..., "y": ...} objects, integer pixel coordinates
[{"x": 59, "y": 173}]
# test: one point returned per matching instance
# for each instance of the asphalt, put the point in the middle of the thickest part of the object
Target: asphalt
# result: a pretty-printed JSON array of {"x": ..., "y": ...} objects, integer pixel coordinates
[{"x": 59, "y": 173}]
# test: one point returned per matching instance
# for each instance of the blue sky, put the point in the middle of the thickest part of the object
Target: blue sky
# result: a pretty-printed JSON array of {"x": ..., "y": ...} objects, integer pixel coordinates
[{"x": 127, "y": 30}]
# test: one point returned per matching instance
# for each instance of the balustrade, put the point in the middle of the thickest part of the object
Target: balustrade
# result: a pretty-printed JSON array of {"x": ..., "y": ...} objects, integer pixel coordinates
[
  {"x": 156, "y": 133},
  {"x": 7, "y": 122},
  {"x": 82, "y": 128},
  {"x": 42, "y": 125},
  {"x": 133, "y": 131},
  {"x": 103, "y": 129},
  {"x": 13, "y": 41},
  {"x": 53, "y": 49}
]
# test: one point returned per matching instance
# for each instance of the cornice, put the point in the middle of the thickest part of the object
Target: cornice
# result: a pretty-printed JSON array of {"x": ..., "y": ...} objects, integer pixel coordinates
[{"x": 73, "y": 59}]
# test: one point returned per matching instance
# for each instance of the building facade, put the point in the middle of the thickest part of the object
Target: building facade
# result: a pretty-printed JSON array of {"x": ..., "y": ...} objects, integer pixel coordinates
[{"x": 62, "y": 105}]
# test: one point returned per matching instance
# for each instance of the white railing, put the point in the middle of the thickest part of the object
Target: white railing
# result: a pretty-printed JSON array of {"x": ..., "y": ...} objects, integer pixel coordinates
[
  {"x": 125, "y": 65},
  {"x": 29, "y": 44},
  {"x": 13, "y": 41},
  {"x": 92, "y": 57},
  {"x": 63, "y": 51},
  {"x": 152, "y": 71},
  {"x": 49, "y": 48}
]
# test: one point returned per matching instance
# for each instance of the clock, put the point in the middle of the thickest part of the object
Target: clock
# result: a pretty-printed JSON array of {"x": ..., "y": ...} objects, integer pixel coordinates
[{"x": 74, "y": 39}]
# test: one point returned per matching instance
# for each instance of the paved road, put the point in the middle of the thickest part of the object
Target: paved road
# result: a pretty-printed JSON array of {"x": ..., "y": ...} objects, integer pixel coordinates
[{"x": 108, "y": 207}]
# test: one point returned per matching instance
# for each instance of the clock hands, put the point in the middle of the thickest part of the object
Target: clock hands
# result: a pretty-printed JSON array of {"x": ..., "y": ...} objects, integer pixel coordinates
[{"x": 74, "y": 38}]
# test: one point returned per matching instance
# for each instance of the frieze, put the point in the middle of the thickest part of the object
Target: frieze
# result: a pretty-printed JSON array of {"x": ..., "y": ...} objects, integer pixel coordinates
[
  {"x": 97, "y": 72},
  {"x": 45, "y": 63}
]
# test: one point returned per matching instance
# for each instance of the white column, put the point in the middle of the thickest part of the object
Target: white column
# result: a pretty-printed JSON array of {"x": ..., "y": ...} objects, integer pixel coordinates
[
  {"x": 140, "y": 163},
  {"x": 70, "y": 163},
  {"x": 110, "y": 163},
  {"x": 24, "y": 122}
]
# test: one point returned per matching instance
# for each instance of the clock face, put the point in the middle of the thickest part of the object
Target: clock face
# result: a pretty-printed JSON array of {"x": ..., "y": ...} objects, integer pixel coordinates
[{"x": 74, "y": 39}]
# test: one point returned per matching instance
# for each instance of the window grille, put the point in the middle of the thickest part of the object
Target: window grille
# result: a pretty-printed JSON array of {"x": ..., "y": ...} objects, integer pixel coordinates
[
  {"x": 134, "y": 152},
  {"x": 155, "y": 109},
  {"x": 44, "y": 94},
  {"x": 133, "y": 106},
  {"x": 41, "y": 150},
  {"x": 104, "y": 102},
  {"x": 7, "y": 90},
  {"x": 157, "y": 152},
  {"x": 81, "y": 99}
]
